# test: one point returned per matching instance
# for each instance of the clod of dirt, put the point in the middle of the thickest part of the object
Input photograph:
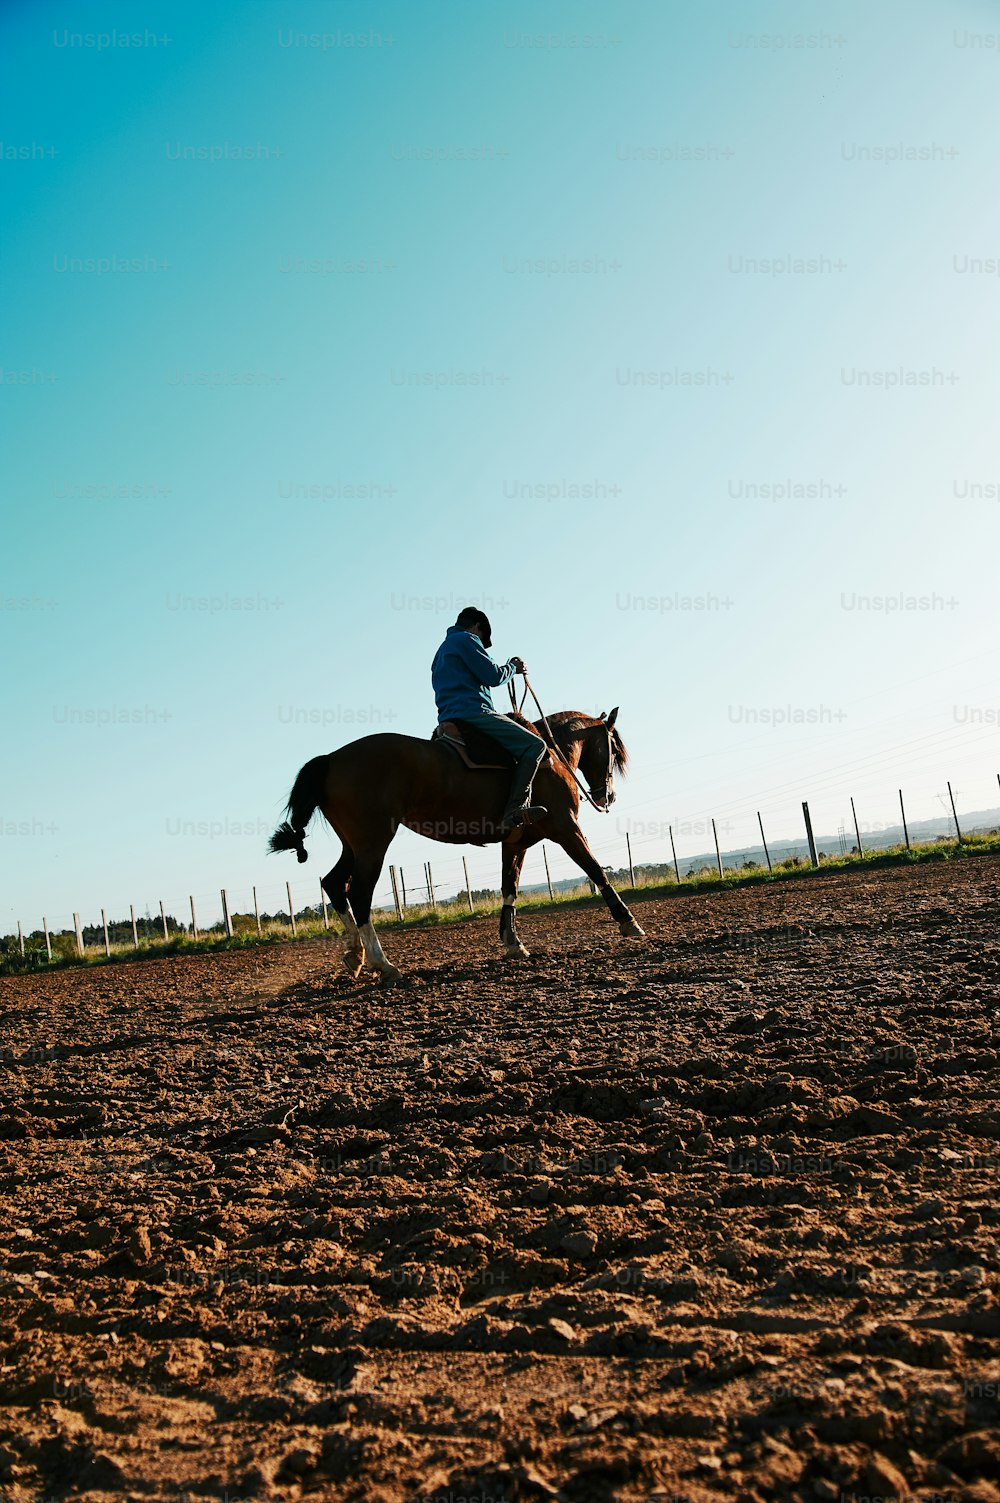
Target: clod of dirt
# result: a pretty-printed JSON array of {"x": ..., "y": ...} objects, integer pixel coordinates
[
  {"x": 884, "y": 1479},
  {"x": 138, "y": 1246},
  {"x": 974, "y": 1453},
  {"x": 747, "y": 1022},
  {"x": 579, "y": 1244},
  {"x": 897, "y": 1055}
]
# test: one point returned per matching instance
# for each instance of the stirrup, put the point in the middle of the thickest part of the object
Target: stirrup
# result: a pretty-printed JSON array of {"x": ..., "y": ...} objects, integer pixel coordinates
[{"x": 529, "y": 814}]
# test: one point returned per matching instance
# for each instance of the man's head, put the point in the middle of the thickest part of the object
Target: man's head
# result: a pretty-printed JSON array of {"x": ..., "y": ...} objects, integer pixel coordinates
[{"x": 472, "y": 619}]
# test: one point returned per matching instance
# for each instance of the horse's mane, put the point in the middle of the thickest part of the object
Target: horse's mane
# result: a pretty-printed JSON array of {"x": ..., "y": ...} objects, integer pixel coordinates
[{"x": 570, "y": 725}]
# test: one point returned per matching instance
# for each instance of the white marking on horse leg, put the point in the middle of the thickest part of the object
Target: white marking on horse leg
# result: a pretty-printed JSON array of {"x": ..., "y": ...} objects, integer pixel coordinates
[
  {"x": 376, "y": 956},
  {"x": 371, "y": 943},
  {"x": 354, "y": 955}
]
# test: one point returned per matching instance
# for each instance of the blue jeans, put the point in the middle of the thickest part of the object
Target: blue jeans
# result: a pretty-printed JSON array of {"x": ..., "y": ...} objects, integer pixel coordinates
[{"x": 517, "y": 740}]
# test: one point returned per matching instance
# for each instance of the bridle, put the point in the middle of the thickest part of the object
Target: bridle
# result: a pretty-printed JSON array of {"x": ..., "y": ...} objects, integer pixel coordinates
[{"x": 605, "y": 793}]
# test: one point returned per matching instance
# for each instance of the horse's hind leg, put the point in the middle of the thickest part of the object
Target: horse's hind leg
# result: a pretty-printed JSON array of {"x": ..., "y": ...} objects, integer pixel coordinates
[
  {"x": 335, "y": 885},
  {"x": 368, "y": 868}
]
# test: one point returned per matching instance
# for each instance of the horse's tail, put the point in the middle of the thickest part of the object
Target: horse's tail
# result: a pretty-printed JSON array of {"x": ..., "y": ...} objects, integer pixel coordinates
[{"x": 302, "y": 802}]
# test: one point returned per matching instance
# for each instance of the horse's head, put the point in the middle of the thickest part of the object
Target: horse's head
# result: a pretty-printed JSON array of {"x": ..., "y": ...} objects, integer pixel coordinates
[
  {"x": 602, "y": 753},
  {"x": 595, "y": 748}
]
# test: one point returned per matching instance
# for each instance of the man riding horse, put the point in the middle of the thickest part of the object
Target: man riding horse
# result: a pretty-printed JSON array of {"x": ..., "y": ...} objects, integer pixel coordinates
[
  {"x": 462, "y": 674},
  {"x": 369, "y": 788}
]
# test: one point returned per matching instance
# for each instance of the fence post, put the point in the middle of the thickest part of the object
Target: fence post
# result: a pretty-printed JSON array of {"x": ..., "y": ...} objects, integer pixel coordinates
[
  {"x": 402, "y": 883},
  {"x": 20, "y": 937},
  {"x": 79, "y": 934},
  {"x": 763, "y": 842},
  {"x": 256, "y": 912},
  {"x": 291, "y": 909},
  {"x": 468, "y": 885},
  {"x": 809, "y": 834},
  {"x": 48, "y": 940},
  {"x": 395, "y": 892},
  {"x": 906, "y": 833},
  {"x": 194, "y": 921},
  {"x": 227, "y": 921},
  {"x": 673, "y": 850},
  {"x": 135, "y": 930},
  {"x": 718, "y": 858},
  {"x": 104, "y": 926},
  {"x": 857, "y": 831},
  {"x": 163, "y": 921},
  {"x": 958, "y": 830},
  {"x": 631, "y": 869},
  {"x": 430, "y": 886},
  {"x": 322, "y": 897},
  {"x": 548, "y": 879}
]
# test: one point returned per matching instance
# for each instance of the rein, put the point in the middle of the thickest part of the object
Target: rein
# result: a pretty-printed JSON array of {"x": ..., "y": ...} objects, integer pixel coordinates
[
  {"x": 515, "y": 707},
  {"x": 553, "y": 743}
]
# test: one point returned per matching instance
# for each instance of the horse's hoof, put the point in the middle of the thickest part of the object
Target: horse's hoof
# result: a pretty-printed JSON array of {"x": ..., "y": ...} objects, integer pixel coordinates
[
  {"x": 354, "y": 963},
  {"x": 516, "y": 952},
  {"x": 632, "y": 930},
  {"x": 391, "y": 977}
]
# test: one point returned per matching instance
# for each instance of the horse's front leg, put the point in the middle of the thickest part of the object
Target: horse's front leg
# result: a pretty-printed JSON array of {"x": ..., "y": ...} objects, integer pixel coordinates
[
  {"x": 513, "y": 860},
  {"x": 579, "y": 851}
]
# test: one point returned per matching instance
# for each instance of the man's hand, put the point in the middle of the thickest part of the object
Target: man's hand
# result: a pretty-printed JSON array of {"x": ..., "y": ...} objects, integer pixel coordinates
[{"x": 520, "y": 666}]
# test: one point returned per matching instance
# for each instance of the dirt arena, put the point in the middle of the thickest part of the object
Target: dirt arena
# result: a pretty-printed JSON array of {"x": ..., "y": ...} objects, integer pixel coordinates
[{"x": 708, "y": 1216}]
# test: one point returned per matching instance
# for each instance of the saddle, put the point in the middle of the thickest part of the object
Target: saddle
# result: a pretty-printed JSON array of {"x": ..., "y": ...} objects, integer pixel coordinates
[{"x": 477, "y": 749}]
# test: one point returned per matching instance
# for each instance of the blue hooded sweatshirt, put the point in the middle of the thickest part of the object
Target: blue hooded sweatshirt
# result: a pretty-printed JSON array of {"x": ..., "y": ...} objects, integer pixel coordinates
[{"x": 463, "y": 674}]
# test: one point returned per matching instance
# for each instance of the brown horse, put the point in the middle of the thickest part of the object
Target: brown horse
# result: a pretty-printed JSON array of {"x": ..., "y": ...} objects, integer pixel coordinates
[{"x": 368, "y": 788}]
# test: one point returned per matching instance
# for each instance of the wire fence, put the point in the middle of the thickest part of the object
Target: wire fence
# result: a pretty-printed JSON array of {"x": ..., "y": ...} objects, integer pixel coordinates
[{"x": 274, "y": 907}]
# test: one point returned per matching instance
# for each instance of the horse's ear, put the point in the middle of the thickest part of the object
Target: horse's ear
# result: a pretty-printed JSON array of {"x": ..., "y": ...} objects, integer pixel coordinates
[
  {"x": 601, "y": 716},
  {"x": 611, "y": 717}
]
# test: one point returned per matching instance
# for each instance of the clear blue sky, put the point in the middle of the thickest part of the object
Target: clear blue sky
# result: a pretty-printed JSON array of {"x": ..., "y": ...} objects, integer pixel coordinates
[{"x": 499, "y": 292}]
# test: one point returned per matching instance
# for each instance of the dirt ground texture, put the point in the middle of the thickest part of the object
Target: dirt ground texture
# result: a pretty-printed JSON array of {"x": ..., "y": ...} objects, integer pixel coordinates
[{"x": 711, "y": 1215}]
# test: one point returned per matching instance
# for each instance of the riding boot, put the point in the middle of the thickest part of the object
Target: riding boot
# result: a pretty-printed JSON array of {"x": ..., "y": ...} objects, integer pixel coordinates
[{"x": 519, "y": 811}]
